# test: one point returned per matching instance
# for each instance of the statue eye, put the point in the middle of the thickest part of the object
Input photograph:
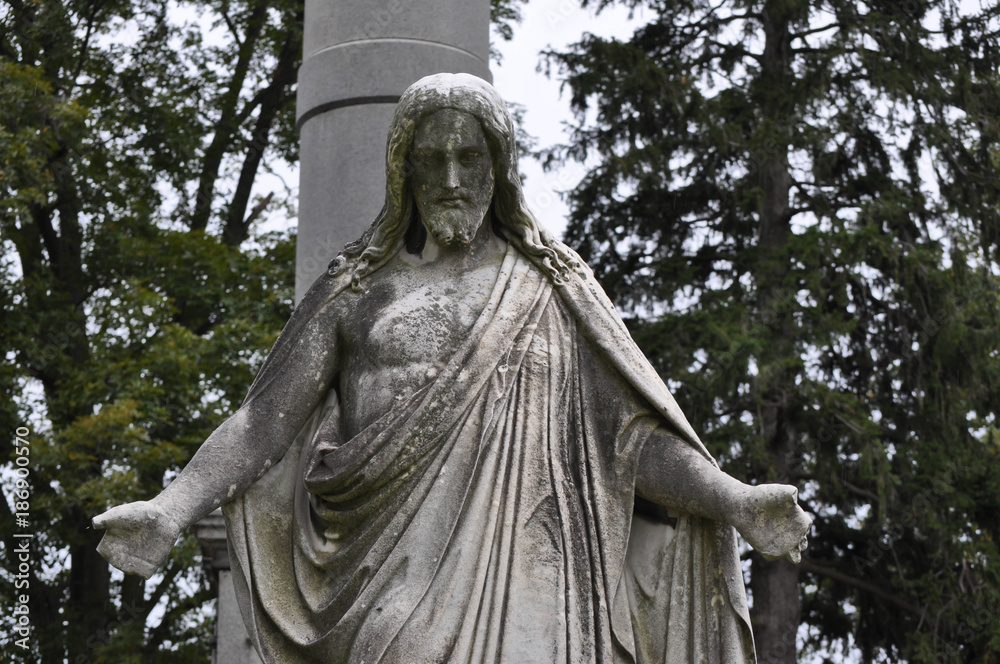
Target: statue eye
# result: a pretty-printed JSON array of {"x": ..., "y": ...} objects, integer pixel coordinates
[
  {"x": 470, "y": 157},
  {"x": 426, "y": 158}
]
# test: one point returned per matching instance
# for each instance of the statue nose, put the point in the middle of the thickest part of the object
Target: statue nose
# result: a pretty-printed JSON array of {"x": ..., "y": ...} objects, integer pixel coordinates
[{"x": 451, "y": 175}]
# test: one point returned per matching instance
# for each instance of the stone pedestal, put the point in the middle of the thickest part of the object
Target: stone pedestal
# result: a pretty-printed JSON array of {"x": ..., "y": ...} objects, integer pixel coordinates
[
  {"x": 232, "y": 643},
  {"x": 358, "y": 57}
]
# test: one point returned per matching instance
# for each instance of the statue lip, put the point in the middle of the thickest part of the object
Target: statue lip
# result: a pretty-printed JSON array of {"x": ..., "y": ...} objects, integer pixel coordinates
[{"x": 452, "y": 199}]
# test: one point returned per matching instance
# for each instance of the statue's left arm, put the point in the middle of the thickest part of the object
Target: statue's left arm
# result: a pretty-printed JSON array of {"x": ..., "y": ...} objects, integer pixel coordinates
[{"x": 675, "y": 475}]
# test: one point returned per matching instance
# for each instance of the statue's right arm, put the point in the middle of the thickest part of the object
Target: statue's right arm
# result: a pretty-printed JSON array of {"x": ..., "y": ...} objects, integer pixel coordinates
[{"x": 140, "y": 535}]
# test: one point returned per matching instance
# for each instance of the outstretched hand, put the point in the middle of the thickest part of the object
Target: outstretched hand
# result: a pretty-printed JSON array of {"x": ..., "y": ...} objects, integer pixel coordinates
[
  {"x": 774, "y": 524},
  {"x": 138, "y": 537}
]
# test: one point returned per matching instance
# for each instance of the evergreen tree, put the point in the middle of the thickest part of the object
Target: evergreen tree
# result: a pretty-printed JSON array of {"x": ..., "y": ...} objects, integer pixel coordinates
[{"x": 797, "y": 207}]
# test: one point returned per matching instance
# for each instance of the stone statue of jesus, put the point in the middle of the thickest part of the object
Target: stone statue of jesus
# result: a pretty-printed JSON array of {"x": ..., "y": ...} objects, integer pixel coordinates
[{"x": 456, "y": 453}]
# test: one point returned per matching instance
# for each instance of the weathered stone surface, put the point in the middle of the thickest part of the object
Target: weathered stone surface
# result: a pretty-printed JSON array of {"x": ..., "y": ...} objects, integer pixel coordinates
[{"x": 456, "y": 452}]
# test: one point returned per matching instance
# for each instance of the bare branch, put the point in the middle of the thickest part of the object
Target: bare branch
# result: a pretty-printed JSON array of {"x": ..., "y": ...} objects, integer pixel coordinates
[{"x": 224, "y": 11}]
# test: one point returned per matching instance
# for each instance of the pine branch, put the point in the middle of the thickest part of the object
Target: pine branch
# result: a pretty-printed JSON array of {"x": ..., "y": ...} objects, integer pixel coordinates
[
  {"x": 814, "y": 567},
  {"x": 811, "y": 31},
  {"x": 864, "y": 493}
]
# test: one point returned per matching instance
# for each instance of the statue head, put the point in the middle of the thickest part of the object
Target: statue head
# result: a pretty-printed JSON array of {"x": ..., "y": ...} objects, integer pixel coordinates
[
  {"x": 451, "y": 177},
  {"x": 398, "y": 224}
]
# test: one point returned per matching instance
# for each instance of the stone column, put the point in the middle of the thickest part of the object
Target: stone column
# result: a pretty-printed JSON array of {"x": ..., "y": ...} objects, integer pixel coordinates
[
  {"x": 358, "y": 57},
  {"x": 232, "y": 643}
]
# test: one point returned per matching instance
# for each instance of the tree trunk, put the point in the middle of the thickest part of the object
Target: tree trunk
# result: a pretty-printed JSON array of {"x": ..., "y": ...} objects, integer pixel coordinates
[
  {"x": 774, "y": 584},
  {"x": 776, "y": 609},
  {"x": 89, "y": 596}
]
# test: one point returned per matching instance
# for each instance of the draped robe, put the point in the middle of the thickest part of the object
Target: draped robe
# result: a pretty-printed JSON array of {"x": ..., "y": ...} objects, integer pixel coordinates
[{"x": 489, "y": 516}]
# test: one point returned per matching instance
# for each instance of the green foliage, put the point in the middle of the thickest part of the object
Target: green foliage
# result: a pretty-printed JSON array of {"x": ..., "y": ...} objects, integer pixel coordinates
[
  {"x": 138, "y": 298},
  {"x": 138, "y": 295},
  {"x": 798, "y": 206},
  {"x": 503, "y": 14}
]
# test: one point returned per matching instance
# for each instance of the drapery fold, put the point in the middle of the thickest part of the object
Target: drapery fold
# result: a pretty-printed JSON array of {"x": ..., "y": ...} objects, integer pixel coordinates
[{"x": 487, "y": 517}]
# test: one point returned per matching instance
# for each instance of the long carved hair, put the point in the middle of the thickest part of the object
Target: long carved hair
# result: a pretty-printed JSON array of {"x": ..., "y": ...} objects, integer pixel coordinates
[{"x": 508, "y": 213}]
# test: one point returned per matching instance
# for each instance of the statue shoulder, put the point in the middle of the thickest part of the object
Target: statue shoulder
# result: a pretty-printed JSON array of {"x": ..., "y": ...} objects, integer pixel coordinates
[{"x": 321, "y": 307}]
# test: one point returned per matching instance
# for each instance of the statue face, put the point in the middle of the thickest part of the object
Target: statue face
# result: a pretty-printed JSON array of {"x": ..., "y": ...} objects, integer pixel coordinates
[{"x": 452, "y": 177}]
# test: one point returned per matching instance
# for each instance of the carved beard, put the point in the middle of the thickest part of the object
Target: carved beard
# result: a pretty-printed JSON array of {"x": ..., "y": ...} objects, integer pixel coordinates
[{"x": 453, "y": 227}]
